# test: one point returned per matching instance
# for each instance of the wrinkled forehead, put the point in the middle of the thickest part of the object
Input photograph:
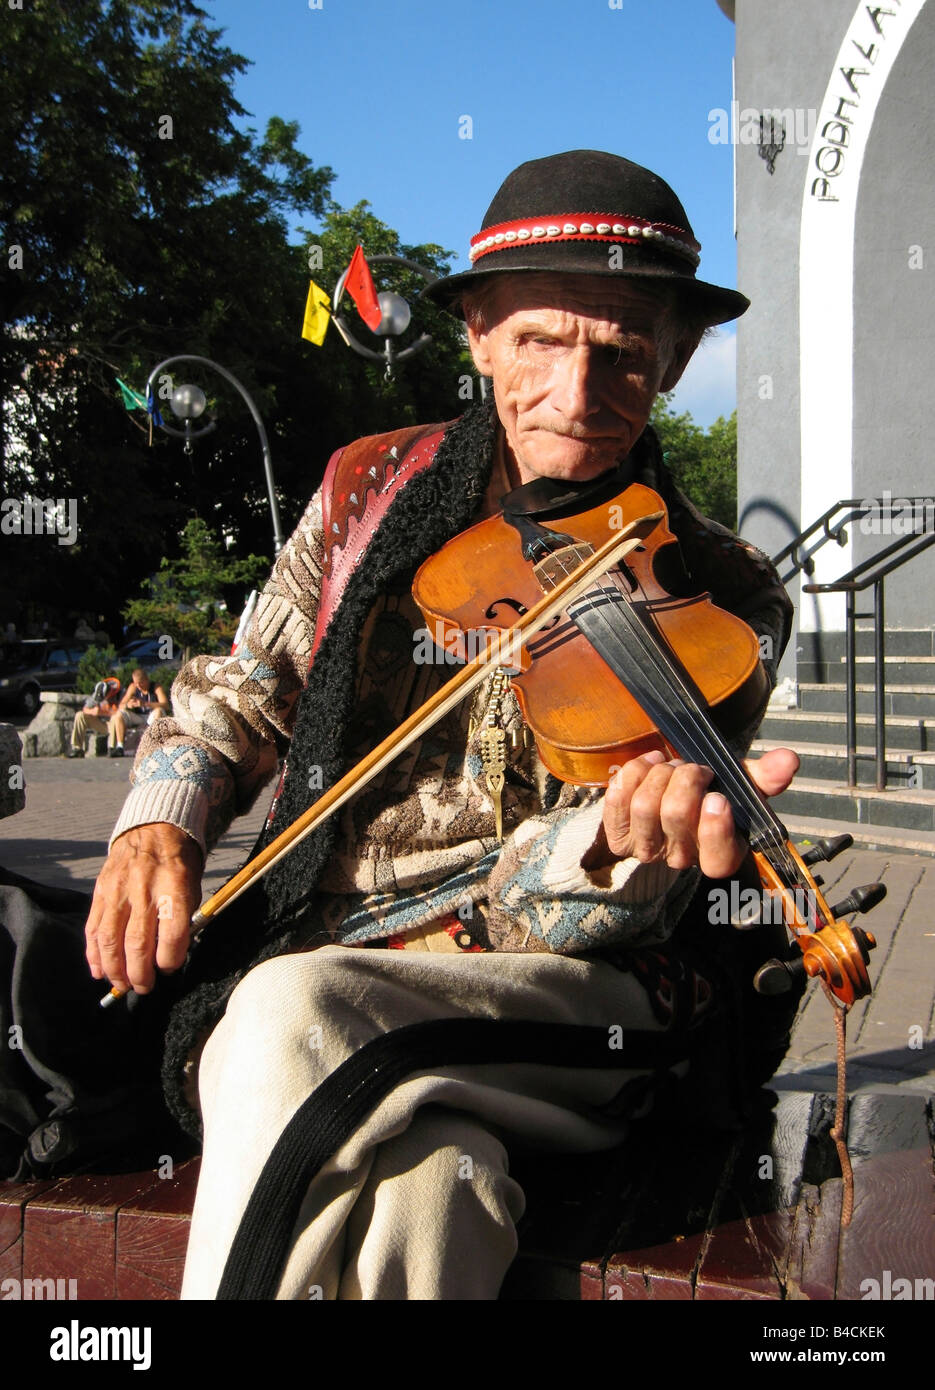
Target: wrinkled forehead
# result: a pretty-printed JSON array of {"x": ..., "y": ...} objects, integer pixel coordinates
[{"x": 592, "y": 296}]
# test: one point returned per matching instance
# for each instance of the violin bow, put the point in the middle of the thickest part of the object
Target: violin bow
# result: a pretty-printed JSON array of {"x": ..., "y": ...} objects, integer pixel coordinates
[{"x": 502, "y": 651}]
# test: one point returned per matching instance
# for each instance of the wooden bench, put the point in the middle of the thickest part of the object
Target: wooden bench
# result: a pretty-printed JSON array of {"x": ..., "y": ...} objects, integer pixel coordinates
[
  {"x": 754, "y": 1215},
  {"x": 119, "y": 1237},
  {"x": 670, "y": 1215}
]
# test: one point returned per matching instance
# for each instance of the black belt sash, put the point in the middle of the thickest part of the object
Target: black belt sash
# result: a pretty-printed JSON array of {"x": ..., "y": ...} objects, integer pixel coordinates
[{"x": 340, "y": 1104}]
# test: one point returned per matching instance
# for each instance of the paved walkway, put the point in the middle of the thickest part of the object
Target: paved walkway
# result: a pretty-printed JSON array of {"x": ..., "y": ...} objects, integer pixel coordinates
[
  {"x": 891, "y": 1033},
  {"x": 71, "y": 806}
]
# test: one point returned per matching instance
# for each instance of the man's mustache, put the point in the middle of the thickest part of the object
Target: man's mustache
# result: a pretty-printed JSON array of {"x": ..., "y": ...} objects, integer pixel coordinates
[{"x": 580, "y": 432}]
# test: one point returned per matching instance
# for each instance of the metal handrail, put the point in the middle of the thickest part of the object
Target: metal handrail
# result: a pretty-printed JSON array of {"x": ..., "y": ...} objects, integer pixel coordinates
[
  {"x": 851, "y": 584},
  {"x": 858, "y": 507},
  {"x": 829, "y": 533}
]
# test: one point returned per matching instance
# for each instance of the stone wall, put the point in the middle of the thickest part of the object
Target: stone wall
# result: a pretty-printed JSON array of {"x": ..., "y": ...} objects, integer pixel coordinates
[
  {"x": 49, "y": 734},
  {"x": 12, "y": 783}
]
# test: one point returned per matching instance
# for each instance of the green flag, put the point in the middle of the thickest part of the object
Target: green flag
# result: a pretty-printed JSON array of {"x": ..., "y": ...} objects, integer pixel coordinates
[{"x": 132, "y": 399}]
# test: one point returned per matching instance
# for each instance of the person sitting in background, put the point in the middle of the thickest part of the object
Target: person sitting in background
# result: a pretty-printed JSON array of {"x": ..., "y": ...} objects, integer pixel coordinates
[
  {"x": 96, "y": 717},
  {"x": 142, "y": 704}
]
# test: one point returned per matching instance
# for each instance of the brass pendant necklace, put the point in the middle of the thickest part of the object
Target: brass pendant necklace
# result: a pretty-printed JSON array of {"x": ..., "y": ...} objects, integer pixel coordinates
[{"x": 492, "y": 741}]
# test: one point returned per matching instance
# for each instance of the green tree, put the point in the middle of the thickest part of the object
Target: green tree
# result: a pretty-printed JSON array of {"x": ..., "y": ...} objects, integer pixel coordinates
[
  {"x": 144, "y": 219},
  {"x": 186, "y": 598},
  {"x": 435, "y": 385},
  {"x": 95, "y": 665},
  {"x": 704, "y": 465},
  {"x": 139, "y": 220}
]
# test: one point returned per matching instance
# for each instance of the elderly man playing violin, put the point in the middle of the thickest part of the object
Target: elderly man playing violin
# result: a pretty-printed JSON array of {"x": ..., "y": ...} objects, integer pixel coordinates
[{"x": 473, "y": 952}]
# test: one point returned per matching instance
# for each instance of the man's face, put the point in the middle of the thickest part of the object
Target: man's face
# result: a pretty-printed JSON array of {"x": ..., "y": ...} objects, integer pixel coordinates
[
  {"x": 141, "y": 680},
  {"x": 576, "y": 365}
]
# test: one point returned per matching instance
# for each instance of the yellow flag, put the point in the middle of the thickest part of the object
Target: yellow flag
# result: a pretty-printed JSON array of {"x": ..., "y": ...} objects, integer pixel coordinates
[{"x": 317, "y": 314}]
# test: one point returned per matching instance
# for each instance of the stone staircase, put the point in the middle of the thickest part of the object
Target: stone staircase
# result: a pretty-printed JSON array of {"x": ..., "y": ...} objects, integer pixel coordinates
[{"x": 819, "y": 801}]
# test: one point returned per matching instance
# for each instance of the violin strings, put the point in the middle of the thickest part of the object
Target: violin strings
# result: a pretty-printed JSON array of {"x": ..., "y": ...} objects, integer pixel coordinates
[
  {"x": 704, "y": 742},
  {"x": 713, "y": 749},
  {"x": 669, "y": 672}
]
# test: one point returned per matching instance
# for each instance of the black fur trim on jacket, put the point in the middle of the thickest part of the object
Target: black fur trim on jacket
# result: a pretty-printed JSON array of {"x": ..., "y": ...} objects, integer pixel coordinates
[{"x": 438, "y": 504}]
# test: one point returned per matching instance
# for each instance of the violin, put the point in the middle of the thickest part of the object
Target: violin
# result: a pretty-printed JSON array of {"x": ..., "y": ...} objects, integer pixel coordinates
[
  {"x": 589, "y": 715},
  {"x": 605, "y": 669},
  {"x": 630, "y": 667}
]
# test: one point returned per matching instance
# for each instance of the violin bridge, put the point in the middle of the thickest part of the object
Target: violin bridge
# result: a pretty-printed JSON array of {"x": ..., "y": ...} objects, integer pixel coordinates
[{"x": 561, "y": 563}]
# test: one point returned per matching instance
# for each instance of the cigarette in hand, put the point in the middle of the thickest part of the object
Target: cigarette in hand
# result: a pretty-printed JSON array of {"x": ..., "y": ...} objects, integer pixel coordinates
[{"x": 112, "y": 996}]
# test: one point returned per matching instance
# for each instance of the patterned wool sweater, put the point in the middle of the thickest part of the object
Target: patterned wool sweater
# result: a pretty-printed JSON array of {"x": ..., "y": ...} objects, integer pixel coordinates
[{"x": 416, "y": 862}]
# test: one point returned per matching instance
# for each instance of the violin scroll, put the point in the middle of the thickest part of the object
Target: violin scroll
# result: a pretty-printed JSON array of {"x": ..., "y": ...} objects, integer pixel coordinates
[{"x": 831, "y": 950}]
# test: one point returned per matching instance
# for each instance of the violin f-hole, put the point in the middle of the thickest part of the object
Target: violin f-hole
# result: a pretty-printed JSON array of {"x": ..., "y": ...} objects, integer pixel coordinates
[{"x": 514, "y": 603}]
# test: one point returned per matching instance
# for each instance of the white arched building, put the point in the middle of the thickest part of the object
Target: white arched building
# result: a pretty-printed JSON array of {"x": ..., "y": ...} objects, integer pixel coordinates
[{"x": 836, "y": 250}]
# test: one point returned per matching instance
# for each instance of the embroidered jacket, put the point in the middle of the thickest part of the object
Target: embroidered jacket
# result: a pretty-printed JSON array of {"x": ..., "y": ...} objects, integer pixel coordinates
[
  {"x": 419, "y": 843},
  {"x": 413, "y": 860}
]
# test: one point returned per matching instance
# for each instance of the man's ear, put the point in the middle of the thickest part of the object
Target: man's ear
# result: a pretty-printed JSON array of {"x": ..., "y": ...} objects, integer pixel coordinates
[
  {"x": 683, "y": 355},
  {"x": 477, "y": 342}
]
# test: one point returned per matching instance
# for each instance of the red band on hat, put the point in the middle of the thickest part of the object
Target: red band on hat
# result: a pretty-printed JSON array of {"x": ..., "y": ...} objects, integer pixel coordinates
[{"x": 584, "y": 226}]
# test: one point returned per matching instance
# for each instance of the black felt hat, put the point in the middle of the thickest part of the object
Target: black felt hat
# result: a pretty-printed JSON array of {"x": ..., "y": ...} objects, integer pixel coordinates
[{"x": 590, "y": 213}]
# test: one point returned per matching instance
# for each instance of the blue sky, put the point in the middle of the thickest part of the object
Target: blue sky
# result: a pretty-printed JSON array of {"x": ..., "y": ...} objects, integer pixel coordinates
[{"x": 380, "y": 89}]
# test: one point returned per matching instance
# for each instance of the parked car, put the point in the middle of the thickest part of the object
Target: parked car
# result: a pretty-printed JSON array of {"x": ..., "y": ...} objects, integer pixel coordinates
[
  {"x": 149, "y": 652},
  {"x": 30, "y": 666}
]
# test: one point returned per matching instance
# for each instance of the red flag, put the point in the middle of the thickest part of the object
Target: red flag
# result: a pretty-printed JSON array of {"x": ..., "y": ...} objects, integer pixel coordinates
[{"x": 359, "y": 285}]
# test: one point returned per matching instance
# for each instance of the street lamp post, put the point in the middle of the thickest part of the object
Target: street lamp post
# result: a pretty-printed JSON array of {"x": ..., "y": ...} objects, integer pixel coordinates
[
  {"x": 188, "y": 404},
  {"x": 395, "y": 320}
]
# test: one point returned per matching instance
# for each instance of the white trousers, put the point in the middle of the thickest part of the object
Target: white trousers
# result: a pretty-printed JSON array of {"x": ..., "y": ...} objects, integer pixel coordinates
[{"x": 418, "y": 1203}]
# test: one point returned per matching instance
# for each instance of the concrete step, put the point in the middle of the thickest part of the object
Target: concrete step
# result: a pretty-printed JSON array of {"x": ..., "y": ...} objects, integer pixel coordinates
[
  {"x": 906, "y": 770},
  {"x": 901, "y": 809},
  {"x": 899, "y": 670},
  {"x": 796, "y": 726},
  {"x": 914, "y": 700},
  {"x": 829, "y": 646},
  {"x": 804, "y": 830}
]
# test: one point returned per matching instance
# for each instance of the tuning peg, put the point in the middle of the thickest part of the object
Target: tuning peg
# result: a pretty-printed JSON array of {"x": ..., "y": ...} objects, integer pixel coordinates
[
  {"x": 860, "y": 900},
  {"x": 779, "y": 976},
  {"x": 827, "y": 849},
  {"x": 865, "y": 940}
]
